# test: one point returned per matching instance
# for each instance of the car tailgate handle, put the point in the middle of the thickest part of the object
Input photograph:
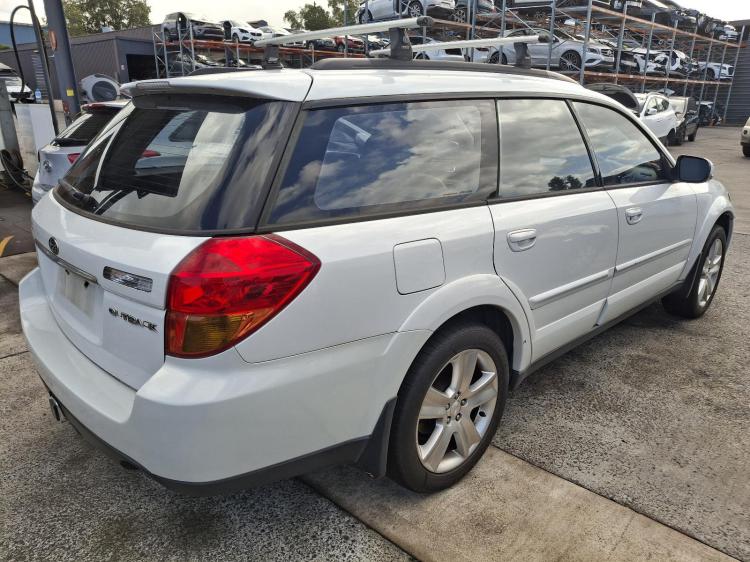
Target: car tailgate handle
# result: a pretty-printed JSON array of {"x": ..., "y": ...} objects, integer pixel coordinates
[
  {"x": 520, "y": 240},
  {"x": 633, "y": 215}
]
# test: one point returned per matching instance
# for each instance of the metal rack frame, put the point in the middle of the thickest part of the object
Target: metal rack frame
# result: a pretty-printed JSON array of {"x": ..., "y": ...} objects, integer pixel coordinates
[{"x": 598, "y": 23}]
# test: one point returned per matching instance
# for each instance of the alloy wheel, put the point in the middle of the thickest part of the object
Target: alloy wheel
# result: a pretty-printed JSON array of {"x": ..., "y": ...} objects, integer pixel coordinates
[
  {"x": 710, "y": 273},
  {"x": 415, "y": 10},
  {"x": 459, "y": 15},
  {"x": 570, "y": 61},
  {"x": 457, "y": 410}
]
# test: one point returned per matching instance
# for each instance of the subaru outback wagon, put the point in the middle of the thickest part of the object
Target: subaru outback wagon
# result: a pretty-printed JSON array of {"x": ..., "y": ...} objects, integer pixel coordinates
[{"x": 352, "y": 263}]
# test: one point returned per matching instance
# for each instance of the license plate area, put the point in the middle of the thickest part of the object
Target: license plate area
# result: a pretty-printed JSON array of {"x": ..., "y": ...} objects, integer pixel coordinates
[{"x": 78, "y": 291}]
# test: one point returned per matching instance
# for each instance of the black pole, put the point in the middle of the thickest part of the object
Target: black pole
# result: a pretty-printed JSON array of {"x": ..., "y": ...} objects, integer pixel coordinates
[
  {"x": 45, "y": 65},
  {"x": 66, "y": 76}
]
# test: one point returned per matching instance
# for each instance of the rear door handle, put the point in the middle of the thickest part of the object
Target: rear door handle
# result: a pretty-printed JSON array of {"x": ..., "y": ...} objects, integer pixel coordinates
[
  {"x": 520, "y": 240},
  {"x": 633, "y": 215}
]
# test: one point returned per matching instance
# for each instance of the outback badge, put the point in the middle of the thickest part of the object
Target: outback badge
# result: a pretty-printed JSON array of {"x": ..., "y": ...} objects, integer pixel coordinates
[{"x": 133, "y": 320}]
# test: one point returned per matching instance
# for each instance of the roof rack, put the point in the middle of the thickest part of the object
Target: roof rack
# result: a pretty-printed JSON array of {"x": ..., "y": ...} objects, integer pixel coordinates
[
  {"x": 520, "y": 44},
  {"x": 400, "y": 44},
  {"x": 435, "y": 66}
]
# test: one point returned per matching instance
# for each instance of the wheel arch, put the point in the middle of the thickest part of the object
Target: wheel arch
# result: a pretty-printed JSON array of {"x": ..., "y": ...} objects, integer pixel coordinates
[
  {"x": 718, "y": 211},
  {"x": 481, "y": 298}
]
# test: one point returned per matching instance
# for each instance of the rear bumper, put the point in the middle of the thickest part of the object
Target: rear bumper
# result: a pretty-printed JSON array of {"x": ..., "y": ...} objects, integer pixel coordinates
[{"x": 220, "y": 424}]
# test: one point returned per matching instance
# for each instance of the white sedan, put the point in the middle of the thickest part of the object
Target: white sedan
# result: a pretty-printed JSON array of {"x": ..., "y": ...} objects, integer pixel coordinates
[{"x": 657, "y": 114}]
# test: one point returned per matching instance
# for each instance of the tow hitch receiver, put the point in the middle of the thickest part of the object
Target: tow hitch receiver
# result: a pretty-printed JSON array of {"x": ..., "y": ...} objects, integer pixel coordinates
[{"x": 57, "y": 410}]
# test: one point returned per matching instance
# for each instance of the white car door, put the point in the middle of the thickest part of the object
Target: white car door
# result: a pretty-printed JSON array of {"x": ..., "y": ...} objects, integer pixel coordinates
[
  {"x": 656, "y": 215},
  {"x": 555, "y": 230},
  {"x": 650, "y": 116}
]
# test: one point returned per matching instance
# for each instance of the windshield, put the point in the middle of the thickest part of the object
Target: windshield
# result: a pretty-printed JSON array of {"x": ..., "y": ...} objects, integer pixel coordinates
[{"x": 180, "y": 163}]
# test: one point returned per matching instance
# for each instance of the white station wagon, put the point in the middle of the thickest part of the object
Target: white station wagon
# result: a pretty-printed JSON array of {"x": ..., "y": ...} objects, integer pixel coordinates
[{"x": 352, "y": 263}]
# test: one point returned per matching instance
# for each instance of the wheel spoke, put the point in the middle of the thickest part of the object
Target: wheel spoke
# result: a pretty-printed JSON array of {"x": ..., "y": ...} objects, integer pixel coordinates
[
  {"x": 466, "y": 436},
  {"x": 434, "y": 405},
  {"x": 434, "y": 450},
  {"x": 482, "y": 391},
  {"x": 702, "y": 285},
  {"x": 464, "y": 365}
]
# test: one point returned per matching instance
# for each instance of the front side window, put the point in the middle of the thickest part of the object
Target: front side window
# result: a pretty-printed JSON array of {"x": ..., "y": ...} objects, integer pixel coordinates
[
  {"x": 181, "y": 162},
  {"x": 358, "y": 161},
  {"x": 624, "y": 153},
  {"x": 541, "y": 149}
]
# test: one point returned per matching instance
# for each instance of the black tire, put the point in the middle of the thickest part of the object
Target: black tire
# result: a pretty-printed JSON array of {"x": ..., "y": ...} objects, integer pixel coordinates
[
  {"x": 688, "y": 304},
  {"x": 494, "y": 58},
  {"x": 570, "y": 60},
  {"x": 421, "y": 56},
  {"x": 404, "y": 464},
  {"x": 746, "y": 150},
  {"x": 504, "y": 60},
  {"x": 415, "y": 9},
  {"x": 691, "y": 138}
]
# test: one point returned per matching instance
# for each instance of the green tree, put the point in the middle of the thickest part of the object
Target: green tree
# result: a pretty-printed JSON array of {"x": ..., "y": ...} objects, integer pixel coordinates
[
  {"x": 89, "y": 16},
  {"x": 339, "y": 7},
  {"x": 310, "y": 16}
]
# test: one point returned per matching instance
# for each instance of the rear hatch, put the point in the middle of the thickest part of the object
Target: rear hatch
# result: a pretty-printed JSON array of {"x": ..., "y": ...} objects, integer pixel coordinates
[{"x": 168, "y": 172}]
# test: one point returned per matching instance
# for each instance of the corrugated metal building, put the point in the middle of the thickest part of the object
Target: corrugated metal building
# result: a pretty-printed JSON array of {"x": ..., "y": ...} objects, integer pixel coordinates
[
  {"x": 123, "y": 55},
  {"x": 24, "y": 32},
  {"x": 738, "y": 109}
]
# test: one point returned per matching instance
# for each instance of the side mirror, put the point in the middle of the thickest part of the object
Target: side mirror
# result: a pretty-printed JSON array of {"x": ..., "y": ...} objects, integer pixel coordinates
[
  {"x": 652, "y": 111},
  {"x": 692, "y": 169}
]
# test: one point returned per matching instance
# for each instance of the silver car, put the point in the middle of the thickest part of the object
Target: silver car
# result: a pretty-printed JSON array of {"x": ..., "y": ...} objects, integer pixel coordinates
[
  {"x": 567, "y": 51},
  {"x": 373, "y": 10},
  {"x": 56, "y": 158}
]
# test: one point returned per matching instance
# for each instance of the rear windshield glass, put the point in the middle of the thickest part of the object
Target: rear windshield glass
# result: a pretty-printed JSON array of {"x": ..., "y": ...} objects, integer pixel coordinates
[
  {"x": 85, "y": 128},
  {"x": 181, "y": 163}
]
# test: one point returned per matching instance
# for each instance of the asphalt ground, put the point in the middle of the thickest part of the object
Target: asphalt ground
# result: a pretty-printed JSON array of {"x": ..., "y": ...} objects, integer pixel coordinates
[
  {"x": 61, "y": 499},
  {"x": 653, "y": 414}
]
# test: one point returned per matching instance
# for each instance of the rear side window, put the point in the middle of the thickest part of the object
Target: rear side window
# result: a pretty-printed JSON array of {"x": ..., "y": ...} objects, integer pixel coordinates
[
  {"x": 85, "y": 128},
  {"x": 181, "y": 163},
  {"x": 366, "y": 160},
  {"x": 624, "y": 154},
  {"x": 542, "y": 150}
]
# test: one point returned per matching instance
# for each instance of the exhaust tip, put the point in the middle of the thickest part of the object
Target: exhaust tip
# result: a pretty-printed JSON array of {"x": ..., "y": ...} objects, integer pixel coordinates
[{"x": 57, "y": 411}]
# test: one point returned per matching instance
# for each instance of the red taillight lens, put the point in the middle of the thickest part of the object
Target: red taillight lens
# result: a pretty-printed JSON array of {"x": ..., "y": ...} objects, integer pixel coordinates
[
  {"x": 148, "y": 153},
  {"x": 73, "y": 157},
  {"x": 229, "y": 287}
]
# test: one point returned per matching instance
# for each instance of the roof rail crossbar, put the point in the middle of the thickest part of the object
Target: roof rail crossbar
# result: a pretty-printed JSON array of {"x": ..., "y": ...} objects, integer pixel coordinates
[
  {"x": 395, "y": 28},
  {"x": 519, "y": 43}
]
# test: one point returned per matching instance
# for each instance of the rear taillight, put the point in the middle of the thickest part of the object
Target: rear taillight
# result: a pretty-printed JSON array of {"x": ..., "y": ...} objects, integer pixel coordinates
[
  {"x": 148, "y": 153},
  {"x": 73, "y": 157},
  {"x": 227, "y": 288}
]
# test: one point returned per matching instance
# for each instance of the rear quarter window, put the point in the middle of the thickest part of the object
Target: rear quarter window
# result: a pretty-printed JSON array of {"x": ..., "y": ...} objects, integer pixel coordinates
[{"x": 370, "y": 160}]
